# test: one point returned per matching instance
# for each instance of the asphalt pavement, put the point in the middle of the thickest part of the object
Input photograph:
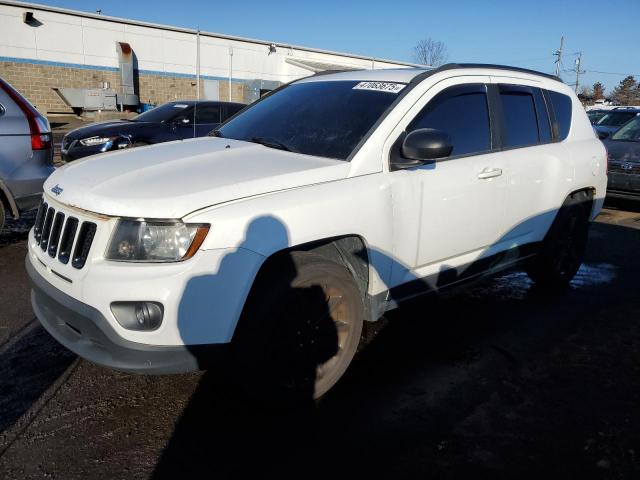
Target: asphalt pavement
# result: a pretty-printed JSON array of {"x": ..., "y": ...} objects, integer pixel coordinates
[{"x": 499, "y": 381}]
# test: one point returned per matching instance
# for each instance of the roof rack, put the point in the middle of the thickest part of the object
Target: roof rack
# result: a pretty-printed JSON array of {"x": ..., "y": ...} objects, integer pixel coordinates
[{"x": 451, "y": 66}]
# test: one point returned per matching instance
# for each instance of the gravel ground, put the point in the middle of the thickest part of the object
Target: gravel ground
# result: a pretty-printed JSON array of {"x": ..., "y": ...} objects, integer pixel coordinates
[{"x": 498, "y": 381}]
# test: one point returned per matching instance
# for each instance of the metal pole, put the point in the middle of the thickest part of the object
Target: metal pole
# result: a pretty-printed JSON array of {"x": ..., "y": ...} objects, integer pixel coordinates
[
  {"x": 198, "y": 65},
  {"x": 578, "y": 71},
  {"x": 558, "y": 54},
  {"x": 230, "y": 69}
]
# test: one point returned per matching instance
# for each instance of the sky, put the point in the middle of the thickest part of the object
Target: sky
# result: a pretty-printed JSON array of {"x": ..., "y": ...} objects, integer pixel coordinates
[{"x": 512, "y": 32}]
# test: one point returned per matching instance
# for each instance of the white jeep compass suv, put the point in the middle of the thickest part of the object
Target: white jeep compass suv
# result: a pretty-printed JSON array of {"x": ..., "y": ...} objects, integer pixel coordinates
[{"x": 312, "y": 211}]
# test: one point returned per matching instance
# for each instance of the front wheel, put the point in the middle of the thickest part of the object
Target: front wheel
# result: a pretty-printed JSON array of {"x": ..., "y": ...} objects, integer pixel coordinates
[
  {"x": 301, "y": 328},
  {"x": 564, "y": 246}
]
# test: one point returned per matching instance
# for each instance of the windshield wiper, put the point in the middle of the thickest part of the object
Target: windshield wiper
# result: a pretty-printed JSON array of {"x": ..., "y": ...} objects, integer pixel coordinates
[{"x": 271, "y": 143}]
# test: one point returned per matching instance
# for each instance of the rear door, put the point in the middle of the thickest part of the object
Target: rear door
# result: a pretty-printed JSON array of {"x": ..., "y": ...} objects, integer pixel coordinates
[{"x": 536, "y": 163}]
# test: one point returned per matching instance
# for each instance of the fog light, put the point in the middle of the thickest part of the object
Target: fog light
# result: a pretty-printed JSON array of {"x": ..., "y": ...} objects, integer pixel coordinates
[{"x": 144, "y": 316}]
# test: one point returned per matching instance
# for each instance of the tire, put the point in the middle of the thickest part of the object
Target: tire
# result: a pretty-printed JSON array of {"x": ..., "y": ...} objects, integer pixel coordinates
[
  {"x": 300, "y": 329},
  {"x": 3, "y": 216},
  {"x": 564, "y": 246}
]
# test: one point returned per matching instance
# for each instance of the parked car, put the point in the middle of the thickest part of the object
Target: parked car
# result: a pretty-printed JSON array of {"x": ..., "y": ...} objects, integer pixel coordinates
[
  {"x": 596, "y": 115},
  {"x": 321, "y": 206},
  {"x": 614, "y": 119},
  {"x": 26, "y": 154},
  {"x": 167, "y": 122},
  {"x": 624, "y": 161}
]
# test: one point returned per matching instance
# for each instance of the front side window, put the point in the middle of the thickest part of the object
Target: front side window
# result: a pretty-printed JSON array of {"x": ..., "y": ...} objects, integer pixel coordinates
[
  {"x": 322, "y": 118},
  {"x": 163, "y": 113},
  {"x": 463, "y": 113},
  {"x": 519, "y": 113}
]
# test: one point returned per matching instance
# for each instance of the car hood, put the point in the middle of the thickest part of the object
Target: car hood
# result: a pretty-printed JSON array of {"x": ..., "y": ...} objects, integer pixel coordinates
[
  {"x": 623, "y": 151},
  {"x": 173, "y": 179},
  {"x": 115, "y": 127}
]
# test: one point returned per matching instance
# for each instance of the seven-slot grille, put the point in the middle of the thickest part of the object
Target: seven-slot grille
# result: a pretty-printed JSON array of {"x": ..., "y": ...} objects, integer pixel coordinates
[{"x": 57, "y": 234}]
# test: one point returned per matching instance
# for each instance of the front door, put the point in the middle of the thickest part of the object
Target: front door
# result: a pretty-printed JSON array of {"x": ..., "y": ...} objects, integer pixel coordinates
[{"x": 448, "y": 213}]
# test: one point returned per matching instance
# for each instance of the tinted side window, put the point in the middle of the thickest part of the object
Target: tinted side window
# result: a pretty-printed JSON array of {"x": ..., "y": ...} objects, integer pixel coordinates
[
  {"x": 520, "y": 121},
  {"x": 544, "y": 125},
  {"x": 562, "y": 110},
  {"x": 232, "y": 110},
  {"x": 207, "y": 114},
  {"x": 462, "y": 112}
]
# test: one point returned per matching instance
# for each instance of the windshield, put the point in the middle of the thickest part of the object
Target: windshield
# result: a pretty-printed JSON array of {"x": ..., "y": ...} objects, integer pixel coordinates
[
  {"x": 325, "y": 119},
  {"x": 630, "y": 132},
  {"x": 162, "y": 113},
  {"x": 615, "y": 119},
  {"x": 595, "y": 116}
]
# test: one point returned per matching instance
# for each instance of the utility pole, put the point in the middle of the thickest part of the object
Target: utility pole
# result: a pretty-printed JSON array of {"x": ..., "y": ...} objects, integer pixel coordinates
[
  {"x": 558, "y": 55},
  {"x": 198, "y": 65},
  {"x": 578, "y": 71},
  {"x": 230, "y": 70}
]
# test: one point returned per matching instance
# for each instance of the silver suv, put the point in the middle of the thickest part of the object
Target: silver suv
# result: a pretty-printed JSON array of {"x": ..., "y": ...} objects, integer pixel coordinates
[{"x": 26, "y": 153}]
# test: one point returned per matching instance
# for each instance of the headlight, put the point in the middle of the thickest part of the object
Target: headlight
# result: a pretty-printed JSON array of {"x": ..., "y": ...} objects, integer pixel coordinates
[
  {"x": 155, "y": 241},
  {"x": 93, "y": 141}
]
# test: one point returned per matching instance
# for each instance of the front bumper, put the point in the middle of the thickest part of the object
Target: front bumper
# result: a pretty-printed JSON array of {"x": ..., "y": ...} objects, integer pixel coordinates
[{"x": 84, "y": 330}]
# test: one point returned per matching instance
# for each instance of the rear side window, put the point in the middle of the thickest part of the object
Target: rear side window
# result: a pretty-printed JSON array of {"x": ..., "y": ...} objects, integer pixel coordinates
[
  {"x": 562, "y": 110},
  {"x": 462, "y": 112},
  {"x": 519, "y": 113}
]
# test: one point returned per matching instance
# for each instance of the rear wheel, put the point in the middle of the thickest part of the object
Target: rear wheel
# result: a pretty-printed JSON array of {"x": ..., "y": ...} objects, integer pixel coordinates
[
  {"x": 300, "y": 330},
  {"x": 3, "y": 216},
  {"x": 564, "y": 246}
]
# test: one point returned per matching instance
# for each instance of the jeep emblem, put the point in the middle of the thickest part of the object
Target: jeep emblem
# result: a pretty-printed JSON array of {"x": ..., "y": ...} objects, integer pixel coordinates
[{"x": 57, "y": 190}]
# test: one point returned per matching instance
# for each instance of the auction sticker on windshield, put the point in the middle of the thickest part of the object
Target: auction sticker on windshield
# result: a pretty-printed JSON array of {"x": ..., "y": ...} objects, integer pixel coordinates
[{"x": 380, "y": 86}]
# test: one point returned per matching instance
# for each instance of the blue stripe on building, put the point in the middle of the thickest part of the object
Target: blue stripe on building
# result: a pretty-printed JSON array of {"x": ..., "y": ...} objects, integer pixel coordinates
[{"x": 112, "y": 69}]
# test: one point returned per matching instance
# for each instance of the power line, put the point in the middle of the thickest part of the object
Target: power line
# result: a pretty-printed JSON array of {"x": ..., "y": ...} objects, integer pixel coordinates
[{"x": 614, "y": 73}]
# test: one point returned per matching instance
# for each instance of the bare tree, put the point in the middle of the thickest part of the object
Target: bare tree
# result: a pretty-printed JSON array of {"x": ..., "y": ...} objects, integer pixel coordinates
[{"x": 430, "y": 52}]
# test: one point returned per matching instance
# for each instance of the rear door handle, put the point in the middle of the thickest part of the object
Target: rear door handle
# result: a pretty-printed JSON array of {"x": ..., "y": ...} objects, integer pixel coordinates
[{"x": 490, "y": 173}]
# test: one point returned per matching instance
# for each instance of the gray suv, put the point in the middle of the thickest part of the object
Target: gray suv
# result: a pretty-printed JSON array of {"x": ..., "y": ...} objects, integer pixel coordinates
[{"x": 26, "y": 153}]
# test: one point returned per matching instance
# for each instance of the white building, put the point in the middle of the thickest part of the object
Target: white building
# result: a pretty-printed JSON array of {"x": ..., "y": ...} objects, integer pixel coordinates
[{"x": 42, "y": 48}]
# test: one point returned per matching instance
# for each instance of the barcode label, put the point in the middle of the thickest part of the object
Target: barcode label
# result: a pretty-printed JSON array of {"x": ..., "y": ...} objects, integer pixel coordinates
[{"x": 389, "y": 87}]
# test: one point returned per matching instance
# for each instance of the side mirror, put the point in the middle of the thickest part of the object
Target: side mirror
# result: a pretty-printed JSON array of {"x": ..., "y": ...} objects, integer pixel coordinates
[
  {"x": 423, "y": 145},
  {"x": 181, "y": 121},
  {"x": 603, "y": 135}
]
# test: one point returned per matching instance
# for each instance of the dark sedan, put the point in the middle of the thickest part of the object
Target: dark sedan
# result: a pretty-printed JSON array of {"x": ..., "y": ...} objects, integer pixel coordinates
[
  {"x": 614, "y": 119},
  {"x": 624, "y": 161},
  {"x": 171, "y": 121}
]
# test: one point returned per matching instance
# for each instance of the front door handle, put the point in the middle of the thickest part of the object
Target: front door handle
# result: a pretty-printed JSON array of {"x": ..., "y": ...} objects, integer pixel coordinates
[{"x": 490, "y": 173}]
